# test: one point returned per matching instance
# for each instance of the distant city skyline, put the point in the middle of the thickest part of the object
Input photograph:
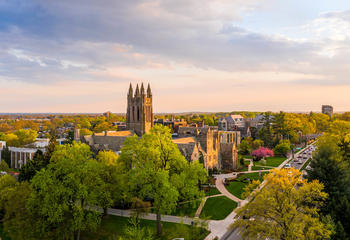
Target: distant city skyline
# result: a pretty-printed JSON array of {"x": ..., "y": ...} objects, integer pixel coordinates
[{"x": 226, "y": 55}]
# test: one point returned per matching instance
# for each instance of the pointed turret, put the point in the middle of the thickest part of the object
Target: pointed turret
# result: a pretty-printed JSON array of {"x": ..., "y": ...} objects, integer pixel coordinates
[
  {"x": 149, "y": 92},
  {"x": 137, "y": 92},
  {"x": 130, "y": 94},
  {"x": 142, "y": 90}
]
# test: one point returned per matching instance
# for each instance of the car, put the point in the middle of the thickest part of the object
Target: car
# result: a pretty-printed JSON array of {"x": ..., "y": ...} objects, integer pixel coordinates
[{"x": 287, "y": 165}]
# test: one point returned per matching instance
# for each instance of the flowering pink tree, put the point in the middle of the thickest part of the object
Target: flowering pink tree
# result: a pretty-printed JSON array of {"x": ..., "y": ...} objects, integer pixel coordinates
[{"x": 262, "y": 152}]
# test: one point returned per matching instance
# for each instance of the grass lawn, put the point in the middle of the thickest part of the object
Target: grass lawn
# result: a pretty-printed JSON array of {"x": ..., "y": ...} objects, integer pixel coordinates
[
  {"x": 187, "y": 209},
  {"x": 272, "y": 161},
  {"x": 247, "y": 157},
  {"x": 259, "y": 168},
  {"x": 113, "y": 227},
  {"x": 218, "y": 208},
  {"x": 212, "y": 191},
  {"x": 236, "y": 187}
]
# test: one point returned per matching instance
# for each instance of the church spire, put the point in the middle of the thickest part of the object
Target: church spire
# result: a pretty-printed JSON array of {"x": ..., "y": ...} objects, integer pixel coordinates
[
  {"x": 137, "y": 92},
  {"x": 149, "y": 92},
  {"x": 142, "y": 89},
  {"x": 130, "y": 94}
]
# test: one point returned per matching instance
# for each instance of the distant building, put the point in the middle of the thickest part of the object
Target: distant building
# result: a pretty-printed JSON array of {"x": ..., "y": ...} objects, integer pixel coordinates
[
  {"x": 208, "y": 145},
  {"x": 173, "y": 124},
  {"x": 235, "y": 123},
  {"x": 327, "y": 109},
  {"x": 20, "y": 156},
  {"x": 2, "y": 145},
  {"x": 107, "y": 114}
]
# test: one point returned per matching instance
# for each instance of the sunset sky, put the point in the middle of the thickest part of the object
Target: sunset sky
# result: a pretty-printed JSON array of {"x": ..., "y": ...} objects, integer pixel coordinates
[{"x": 217, "y": 55}]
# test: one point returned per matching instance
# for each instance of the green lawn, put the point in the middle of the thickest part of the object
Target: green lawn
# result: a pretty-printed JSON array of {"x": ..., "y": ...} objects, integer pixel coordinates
[
  {"x": 247, "y": 157},
  {"x": 218, "y": 208},
  {"x": 271, "y": 161},
  {"x": 187, "y": 209},
  {"x": 236, "y": 187},
  {"x": 212, "y": 191},
  {"x": 113, "y": 227}
]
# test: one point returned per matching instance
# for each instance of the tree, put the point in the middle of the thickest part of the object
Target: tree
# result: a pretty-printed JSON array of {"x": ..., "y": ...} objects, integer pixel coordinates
[
  {"x": 19, "y": 221},
  {"x": 262, "y": 152},
  {"x": 6, "y": 155},
  {"x": 283, "y": 211},
  {"x": 28, "y": 170},
  {"x": 66, "y": 192},
  {"x": 328, "y": 166},
  {"x": 84, "y": 132},
  {"x": 282, "y": 148},
  {"x": 4, "y": 167},
  {"x": 159, "y": 172},
  {"x": 257, "y": 144},
  {"x": 114, "y": 178}
]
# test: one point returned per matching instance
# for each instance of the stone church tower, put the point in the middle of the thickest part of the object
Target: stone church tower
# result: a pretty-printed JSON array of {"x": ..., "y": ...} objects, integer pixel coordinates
[{"x": 139, "y": 114}]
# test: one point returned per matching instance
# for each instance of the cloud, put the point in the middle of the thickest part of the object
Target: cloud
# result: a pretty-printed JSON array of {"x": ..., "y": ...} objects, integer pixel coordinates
[{"x": 170, "y": 43}]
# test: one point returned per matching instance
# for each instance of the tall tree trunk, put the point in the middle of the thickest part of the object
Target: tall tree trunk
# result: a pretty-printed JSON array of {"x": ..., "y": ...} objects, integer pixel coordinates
[
  {"x": 78, "y": 235},
  {"x": 105, "y": 212},
  {"x": 159, "y": 224}
]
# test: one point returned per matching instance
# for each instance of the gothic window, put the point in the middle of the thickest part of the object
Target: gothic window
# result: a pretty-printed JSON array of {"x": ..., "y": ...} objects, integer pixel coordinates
[
  {"x": 138, "y": 114},
  {"x": 133, "y": 113}
]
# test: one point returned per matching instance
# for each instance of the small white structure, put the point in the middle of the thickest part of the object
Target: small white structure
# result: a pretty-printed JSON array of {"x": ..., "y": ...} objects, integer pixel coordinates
[{"x": 20, "y": 156}]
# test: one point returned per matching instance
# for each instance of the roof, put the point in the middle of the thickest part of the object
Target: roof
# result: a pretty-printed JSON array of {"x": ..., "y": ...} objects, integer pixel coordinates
[
  {"x": 116, "y": 133},
  {"x": 185, "y": 140},
  {"x": 233, "y": 118}
]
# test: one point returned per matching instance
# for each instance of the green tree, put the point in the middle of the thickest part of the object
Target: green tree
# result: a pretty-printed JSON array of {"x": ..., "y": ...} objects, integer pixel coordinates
[
  {"x": 63, "y": 191},
  {"x": 28, "y": 170},
  {"x": 159, "y": 172},
  {"x": 283, "y": 211},
  {"x": 282, "y": 148}
]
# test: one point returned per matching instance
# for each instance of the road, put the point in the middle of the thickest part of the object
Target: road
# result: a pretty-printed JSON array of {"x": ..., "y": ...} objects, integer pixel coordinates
[{"x": 297, "y": 162}]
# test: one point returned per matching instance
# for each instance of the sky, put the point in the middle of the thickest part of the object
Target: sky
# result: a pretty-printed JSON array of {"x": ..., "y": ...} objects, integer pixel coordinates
[{"x": 210, "y": 56}]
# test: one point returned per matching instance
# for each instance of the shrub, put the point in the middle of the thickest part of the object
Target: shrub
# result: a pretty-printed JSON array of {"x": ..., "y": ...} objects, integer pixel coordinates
[{"x": 262, "y": 152}]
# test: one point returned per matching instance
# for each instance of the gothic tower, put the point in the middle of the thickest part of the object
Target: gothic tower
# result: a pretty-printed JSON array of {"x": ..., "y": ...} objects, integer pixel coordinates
[{"x": 139, "y": 114}]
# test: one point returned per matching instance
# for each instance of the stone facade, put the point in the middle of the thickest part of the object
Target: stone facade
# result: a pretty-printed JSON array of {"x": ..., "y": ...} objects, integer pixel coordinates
[
  {"x": 139, "y": 114},
  {"x": 327, "y": 109},
  {"x": 218, "y": 149}
]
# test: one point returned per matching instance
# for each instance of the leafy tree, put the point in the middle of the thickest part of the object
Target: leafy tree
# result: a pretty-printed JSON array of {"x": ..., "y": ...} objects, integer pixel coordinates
[
  {"x": 63, "y": 191},
  {"x": 330, "y": 169},
  {"x": 84, "y": 132},
  {"x": 281, "y": 210},
  {"x": 262, "y": 152},
  {"x": 26, "y": 136},
  {"x": 160, "y": 173},
  {"x": 257, "y": 144},
  {"x": 282, "y": 148},
  {"x": 28, "y": 170},
  {"x": 19, "y": 221},
  {"x": 6, "y": 155},
  {"x": 4, "y": 167},
  {"x": 114, "y": 178}
]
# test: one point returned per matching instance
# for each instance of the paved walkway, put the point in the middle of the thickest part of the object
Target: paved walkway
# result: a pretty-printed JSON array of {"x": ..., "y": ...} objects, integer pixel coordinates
[
  {"x": 221, "y": 187},
  {"x": 251, "y": 164},
  {"x": 151, "y": 216}
]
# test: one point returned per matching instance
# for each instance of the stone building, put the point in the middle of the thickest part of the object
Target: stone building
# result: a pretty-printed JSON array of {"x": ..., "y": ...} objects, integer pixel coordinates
[
  {"x": 139, "y": 115},
  {"x": 327, "y": 109},
  {"x": 139, "y": 120},
  {"x": 235, "y": 123},
  {"x": 216, "y": 149},
  {"x": 20, "y": 156}
]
